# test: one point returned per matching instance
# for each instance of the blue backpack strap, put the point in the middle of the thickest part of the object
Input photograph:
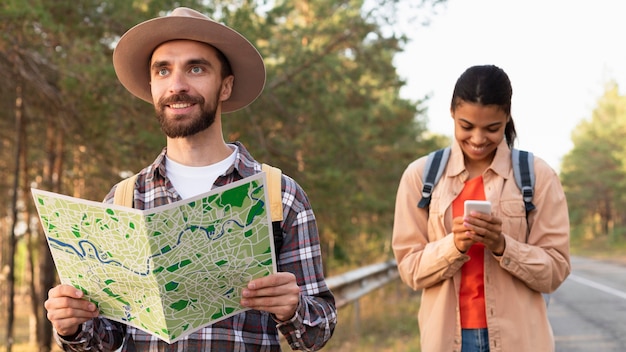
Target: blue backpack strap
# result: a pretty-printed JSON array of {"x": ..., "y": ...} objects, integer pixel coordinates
[
  {"x": 524, "y": 172},
  {"x": 435, "y": 164}
]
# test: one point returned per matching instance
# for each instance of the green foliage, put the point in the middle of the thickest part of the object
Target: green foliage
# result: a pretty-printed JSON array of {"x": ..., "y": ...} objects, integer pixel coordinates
[
  {"x": 331, "y": 118},
  {"x": 594, "y": 172},
  {"x": 330, "y": 115}
]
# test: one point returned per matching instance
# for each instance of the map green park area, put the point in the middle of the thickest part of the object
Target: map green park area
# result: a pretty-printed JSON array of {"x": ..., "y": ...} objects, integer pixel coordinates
[{"x": 169, "y": 270}]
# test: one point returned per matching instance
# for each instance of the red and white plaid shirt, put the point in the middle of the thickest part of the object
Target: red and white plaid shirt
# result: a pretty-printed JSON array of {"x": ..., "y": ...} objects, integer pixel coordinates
[{"x": 315, "y": 318}]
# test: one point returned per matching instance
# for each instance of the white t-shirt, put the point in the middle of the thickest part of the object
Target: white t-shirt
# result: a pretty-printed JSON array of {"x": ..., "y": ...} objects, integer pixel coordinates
[{"x": 190, "y": 181}]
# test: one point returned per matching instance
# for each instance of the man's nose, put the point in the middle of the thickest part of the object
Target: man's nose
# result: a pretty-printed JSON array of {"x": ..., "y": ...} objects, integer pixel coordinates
[{"x": 179, "y": 82}]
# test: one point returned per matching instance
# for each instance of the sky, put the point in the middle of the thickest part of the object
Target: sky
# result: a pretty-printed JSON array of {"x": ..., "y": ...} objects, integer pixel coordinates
[{"x": 558, "y": 54}]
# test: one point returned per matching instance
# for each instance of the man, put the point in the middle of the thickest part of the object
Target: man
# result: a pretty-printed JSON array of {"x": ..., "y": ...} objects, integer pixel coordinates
[{"x": 193, "y": 69}]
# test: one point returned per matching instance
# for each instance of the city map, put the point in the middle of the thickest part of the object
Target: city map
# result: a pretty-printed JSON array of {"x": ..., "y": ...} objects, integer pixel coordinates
[{"x": 169, "y": 270}]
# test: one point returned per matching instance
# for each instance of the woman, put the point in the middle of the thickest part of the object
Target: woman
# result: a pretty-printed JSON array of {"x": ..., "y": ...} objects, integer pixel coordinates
[{"x": 482, "y": 275}]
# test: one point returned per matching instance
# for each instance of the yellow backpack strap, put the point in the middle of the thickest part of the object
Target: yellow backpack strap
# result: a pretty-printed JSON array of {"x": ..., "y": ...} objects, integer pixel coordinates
[
  {"x": 274, "y": 191},
  {"x": 125, "y": 192}
]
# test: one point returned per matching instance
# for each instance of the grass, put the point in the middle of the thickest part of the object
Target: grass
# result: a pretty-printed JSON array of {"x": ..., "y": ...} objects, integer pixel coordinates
[
  {"x": 384, "y": 320},
  {"x": 599, "y": 248}
]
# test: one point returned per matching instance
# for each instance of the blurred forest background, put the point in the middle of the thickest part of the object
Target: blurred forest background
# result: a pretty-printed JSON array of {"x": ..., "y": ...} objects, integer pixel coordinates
[{"x": 330, "y": 116}]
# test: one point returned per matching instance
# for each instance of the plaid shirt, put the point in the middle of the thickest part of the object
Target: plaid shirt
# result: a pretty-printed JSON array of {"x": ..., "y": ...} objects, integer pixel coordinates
[{"x": 252, "y": 330}]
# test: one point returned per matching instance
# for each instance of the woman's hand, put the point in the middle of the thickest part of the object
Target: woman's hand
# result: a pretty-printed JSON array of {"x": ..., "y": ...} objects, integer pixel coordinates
[
  {"x": 478, "y": 227},
  {"x": 485, "y": 229},
  {"x": 462, "y": 241}
]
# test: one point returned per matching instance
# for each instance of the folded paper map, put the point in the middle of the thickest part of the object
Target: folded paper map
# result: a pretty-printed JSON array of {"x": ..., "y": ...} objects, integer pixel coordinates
[{"x": 170, "y": 270}]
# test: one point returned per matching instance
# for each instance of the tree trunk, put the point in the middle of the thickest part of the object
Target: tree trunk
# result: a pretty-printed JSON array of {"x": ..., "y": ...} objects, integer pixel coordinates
[
  {"x": 47, "y": 273},
  {"x": 30, "y": 275},
  {"x": 31, "y": 278},
  {"x": 12, "y": 237},
  {"x": 606, "y": 217}
]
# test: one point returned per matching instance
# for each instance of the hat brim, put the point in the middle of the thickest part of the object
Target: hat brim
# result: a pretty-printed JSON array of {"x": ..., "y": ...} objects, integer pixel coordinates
[{"x": 131, "y": 57}]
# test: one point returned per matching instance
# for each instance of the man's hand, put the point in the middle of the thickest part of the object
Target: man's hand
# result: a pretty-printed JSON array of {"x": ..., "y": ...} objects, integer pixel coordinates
[
  {"x": 278, "y": 294},
  {"x": 67, "y": 309}
]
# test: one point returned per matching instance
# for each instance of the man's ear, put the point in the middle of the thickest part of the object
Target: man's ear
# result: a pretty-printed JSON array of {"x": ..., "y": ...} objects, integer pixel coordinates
[{"x": 227, "y": 88}]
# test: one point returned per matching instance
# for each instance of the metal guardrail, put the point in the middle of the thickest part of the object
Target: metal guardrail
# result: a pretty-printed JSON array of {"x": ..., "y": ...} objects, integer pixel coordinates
[{"x": 350, "y": 286}]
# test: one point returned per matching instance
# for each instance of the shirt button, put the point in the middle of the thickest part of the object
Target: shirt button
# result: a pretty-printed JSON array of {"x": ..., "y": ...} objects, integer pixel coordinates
[{"x": 507, "y": 261}]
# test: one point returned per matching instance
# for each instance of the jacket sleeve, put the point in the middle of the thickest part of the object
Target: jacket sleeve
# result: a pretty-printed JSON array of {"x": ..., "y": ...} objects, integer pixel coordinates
[
  {"x": 316, "y": 315},
  {"x": 424, "y": 255},
  {"x": 543, "y": 262}
]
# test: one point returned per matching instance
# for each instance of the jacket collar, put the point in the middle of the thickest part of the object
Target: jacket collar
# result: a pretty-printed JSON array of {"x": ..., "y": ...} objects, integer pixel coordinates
[{"x": 501, "y": 163}]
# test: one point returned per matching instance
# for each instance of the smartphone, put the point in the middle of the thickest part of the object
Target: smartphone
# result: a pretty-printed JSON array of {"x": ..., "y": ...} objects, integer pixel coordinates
[{"x": 481, "y": 206}]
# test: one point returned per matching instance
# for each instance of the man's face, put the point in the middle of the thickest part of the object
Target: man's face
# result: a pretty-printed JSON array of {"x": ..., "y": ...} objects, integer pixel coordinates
[{"x": 187, "y": 87}]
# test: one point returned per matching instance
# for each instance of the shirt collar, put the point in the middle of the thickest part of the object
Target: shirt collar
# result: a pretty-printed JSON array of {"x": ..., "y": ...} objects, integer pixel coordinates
[
  {"x": 157, "y": 168},
  {"x": 244, "y": 164}
]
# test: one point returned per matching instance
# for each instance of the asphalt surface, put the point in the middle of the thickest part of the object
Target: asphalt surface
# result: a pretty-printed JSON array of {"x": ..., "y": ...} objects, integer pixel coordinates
[{"x": 588, "y": 311}]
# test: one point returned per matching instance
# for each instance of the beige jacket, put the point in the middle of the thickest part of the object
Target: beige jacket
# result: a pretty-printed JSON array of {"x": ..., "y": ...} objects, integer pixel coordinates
[{"x": 531, "y": 263}]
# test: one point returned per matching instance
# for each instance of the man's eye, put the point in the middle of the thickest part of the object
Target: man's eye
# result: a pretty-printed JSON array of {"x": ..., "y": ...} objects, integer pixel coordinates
[
  {"x": 162, "y": 72},
  {"x": 196, "y": 69}
]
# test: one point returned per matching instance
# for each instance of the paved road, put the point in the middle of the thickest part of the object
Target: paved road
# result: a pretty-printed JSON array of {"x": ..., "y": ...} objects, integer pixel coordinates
[{"x": 588, "y": 312}]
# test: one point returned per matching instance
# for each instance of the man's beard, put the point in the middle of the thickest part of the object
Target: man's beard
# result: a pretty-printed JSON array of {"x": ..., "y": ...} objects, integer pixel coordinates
[{"x": 176, "y": 128}]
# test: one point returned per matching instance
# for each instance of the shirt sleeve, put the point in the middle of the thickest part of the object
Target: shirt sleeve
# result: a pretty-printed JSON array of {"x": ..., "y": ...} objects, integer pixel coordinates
[
  {"x": 98, "y": 334},
  {"x": 316, "y": 315}
]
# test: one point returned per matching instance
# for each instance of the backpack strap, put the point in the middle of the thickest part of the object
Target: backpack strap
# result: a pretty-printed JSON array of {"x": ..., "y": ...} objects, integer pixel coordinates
[
  {"x": 274, "y": 192},
  {"x": 435, "y": 164},
  {"x": 524, "y": 172},
  {"x": 125, "y": 192}
]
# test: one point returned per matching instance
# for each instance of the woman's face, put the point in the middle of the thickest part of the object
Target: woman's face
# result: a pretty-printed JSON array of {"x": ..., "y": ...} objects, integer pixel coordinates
[{"x": 478, "y": 129}]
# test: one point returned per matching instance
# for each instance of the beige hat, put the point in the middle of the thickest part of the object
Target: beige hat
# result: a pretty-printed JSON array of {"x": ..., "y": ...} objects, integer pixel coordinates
[{"x": 131, "y": 57}]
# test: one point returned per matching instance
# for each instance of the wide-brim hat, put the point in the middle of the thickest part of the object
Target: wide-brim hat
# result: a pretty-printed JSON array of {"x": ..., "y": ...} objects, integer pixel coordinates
[{"x": 131, "y": 57}]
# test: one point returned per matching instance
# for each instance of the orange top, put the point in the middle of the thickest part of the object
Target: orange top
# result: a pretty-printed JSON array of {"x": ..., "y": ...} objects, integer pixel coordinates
[{"x": 472, "y": 293}]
